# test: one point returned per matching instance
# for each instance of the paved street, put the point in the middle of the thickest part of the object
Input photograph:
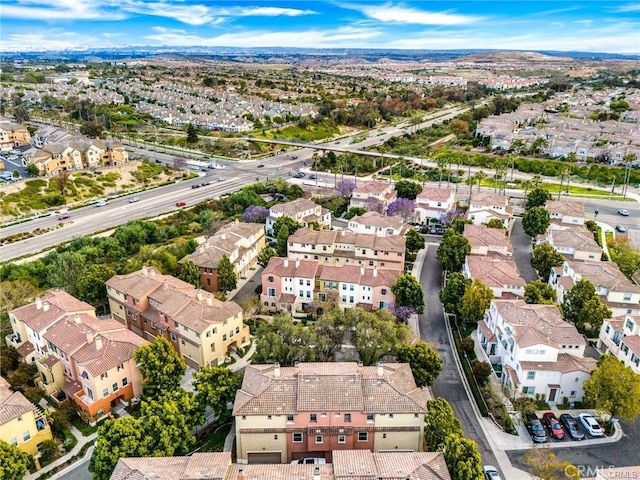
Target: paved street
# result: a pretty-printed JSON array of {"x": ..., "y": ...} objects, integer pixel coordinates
[
  {"x": 522, "y": 251},
  {"x": 449, "y": 384}
]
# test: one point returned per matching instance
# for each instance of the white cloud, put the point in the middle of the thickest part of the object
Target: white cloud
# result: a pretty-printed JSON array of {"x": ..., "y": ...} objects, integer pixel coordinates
[
  {"x": 632, "y": 7},
  {"x": 268, "y": 12},
  {"x": 401, "y": 14},
  {"x": 68, "y": 10}
]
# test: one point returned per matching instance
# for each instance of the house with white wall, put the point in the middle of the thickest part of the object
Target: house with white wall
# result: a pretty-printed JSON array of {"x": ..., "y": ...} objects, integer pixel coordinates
[
  {"x": 434, "y": 203},
  {"x": 301, "y": 210},
  {"x": 485, "y": 240},
  {"x": 566, "y": 212},
  {"x": 620, "y": 336},
  {"x": 485, "y": 206},
  {"x": 374, "y": 223},
  {"x": 499, "y": 274}
]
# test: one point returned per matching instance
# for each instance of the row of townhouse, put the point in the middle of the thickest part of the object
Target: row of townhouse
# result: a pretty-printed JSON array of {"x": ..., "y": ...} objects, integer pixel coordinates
[
  {"x": 491, "y": 261},
  {"x": 294, "y": 285},
  {"x": 347, "y": 465},
  {"x": 13, "y": 135},
  {"x": 302, "y": 211},
  {"x": 373, "y": 196},
  {"x": 539, "y": 353},
  {"x": 486, "y": 206},
  {"x": 313, "y": 409},
  {"x": 240, "y": 242},
  {"x": 434, "y": 204},
  {"x": 78, "y": 356},
  {"x": 374, "y": 223},
  {"x": 620, "y": 337},
  {"x": 22, "y": 423},
  {"x": 200, "y": 327},
  {"x": 347, "y": 248}
]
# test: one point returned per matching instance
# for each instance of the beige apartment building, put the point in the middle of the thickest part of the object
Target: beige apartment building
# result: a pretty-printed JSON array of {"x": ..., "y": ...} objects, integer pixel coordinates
[
  {"x": 302, "y": 211},
  {"x": 13, "y": 135},
  {"x": 200, "y": 327}
]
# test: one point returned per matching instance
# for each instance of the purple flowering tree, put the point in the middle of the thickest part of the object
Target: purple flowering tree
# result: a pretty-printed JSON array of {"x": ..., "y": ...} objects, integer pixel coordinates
[
  {"x": 447, "y": 218},
  {"x": 374, "y": 205},
  {"x": 401, "y": 312},
  {"x": 403, "y": 207},
  {"x": 345, "y": 188},
  {"x": 255, "y": 214}
]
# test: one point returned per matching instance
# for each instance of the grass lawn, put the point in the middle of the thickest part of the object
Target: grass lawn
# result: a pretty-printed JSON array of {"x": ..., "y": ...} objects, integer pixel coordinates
[
  {"x": 85, "y": 428},
  {"x": 213, "y": 440},
  {"x": 294, "y": 132}
]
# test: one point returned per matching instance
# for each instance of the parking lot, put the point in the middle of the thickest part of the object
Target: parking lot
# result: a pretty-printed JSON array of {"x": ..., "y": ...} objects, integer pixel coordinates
[
  {"x": 12, "y": 161},
  {"x": 567, "y": 440}
]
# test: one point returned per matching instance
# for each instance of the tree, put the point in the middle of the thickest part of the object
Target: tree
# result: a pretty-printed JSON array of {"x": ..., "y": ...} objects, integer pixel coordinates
[
  {"x": 424, "y": 360},
  {"x": 581, "y": 305},
  {"x": 453, "y": 250},
  {"x": 535, "y": 221},
  {"x": 495, "y": 223},
  {"x": 62, "y": 179},
  {"x": 282, "y": 245},
  {"x": 190, "y": 273},
  {"x": 192, "y": 134},
  {"x": 346, "y": 187},
  {"x": 354, "y": 212},
  {"x": 285, "y": 221},
  {"x": 32, "y": 169},
  {"x": 409, "y": 292},
  {"x": 265, "y": 255},
  {"x": 408, "y": 189},
  {"x": 453, "y": 291},
  {"x": 415, "y": 241},
  {"x": 21, "y": 114},
  {"x": 91, "y": 284},
  {"x": 255, "y": 214},
  {"x": 614, "y": 388},
  {"x": 376, "y": 334},
  {"x": 402, "y": 207},
  {"x": 537, "y": 198},
  {"x": 545, "y": 466},
  {"x": 92, "y": 129},
  {"x": 227, "y": 279},
  {"x": 22, "y": 377},
  {"x": 476, "y": 299},
  {"x": 13, "y": 462},
  {"x": 593, "y": 313},
  {"x": 539, "y": 292},
  {"x": 462, "y": 458},
  {"x": 481, "y": 371},
  {"x": 283, "y": 342},
  {"x": 217, "y": 387},
  {"x": 161, "y": 367},
  {"x": 440, "y": 422},
  {"x": 544, "y": 258}
]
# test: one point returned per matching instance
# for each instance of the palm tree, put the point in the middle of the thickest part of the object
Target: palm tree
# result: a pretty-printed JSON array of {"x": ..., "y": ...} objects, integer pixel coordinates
[
  {"x": 539, "y": 144},
  {"x": 479, "y": 176},
  {"x": 500, "y": 166},
  {"x": 517, "y": 146},
  {"x": 442, "y": 162},
  {"x": 564, "y": 172}
]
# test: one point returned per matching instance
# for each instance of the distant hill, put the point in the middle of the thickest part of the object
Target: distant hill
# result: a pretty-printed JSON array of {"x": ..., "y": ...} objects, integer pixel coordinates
[{"x": 510, "y": 56}]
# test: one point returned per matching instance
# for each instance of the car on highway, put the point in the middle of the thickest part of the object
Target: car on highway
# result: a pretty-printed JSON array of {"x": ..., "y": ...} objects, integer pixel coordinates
[
  {"x": 623, "y": 212},
  {"x": 571, "y": 426},
  {"x": 491, "y": 473},
  {"x": 536, "y": 430},
  {"x": 313, "y": 176},
  {"x": 204, "y": 184},
  {"x": 260, "y": 165},
  {"x": 181, "y": 203},
  {"x": 134, "y": 200},
  {"x": 195, "y": 167},
  {"x": 590, "y": 424},
  {"x": 64, "y": 216},
  {"x": 309, "y": 461},
  {"x": 195, "y": 185},
  {"x": 553, "y": 425},
  {"x": 221, "y": 179},
  {"x": 101, "y": 203},
  {"x": 621, "y": 228},
  {"x": 299, "y": 175}
]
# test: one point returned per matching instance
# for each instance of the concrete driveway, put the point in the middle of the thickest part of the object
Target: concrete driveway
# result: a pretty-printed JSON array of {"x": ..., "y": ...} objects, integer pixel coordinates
[{"x": 522, "y": 251}]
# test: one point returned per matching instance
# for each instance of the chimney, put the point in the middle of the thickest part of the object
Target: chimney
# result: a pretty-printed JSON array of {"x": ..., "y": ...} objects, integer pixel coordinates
[
  {"x": 375, "y": 271},
  {"x": 199, "y": 295},
  {"x": 76, "y": 318},
  {"x": 276, "y": 370},
  {"x": 316, "y": 473},
  {"x": 223, "y": 236},
  {"x": 380, "y": 369},
  {"x": 210, "y": 299},
  {"x": 89, "y": 335},
  {"x": 45, "y": 306},
  {"x": 144, "y": 270},
  {"x": 152, "y": 271},
  {"x": 38, "y": 303},
  {"x": 286, "y": 262},
  {"x": 361, "y": 270},
  {"x": 240, "y": 474},
  {"x": 297, "y": 262},
  {"x": 98, "y": 341}
]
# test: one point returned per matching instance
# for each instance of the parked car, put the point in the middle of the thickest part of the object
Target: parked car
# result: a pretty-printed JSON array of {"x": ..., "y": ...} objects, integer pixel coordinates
[
  {"x": 134, "y": 200},
  {"x": 491, "y": 473},
  {"x": 571, "y": 426},
  {"x": 181, "y": 203},
  {"x": 536, "y": 430},
  {"x": 623, "y": 212},
  {"x": 299, "y": 175},
  {"x": 621, "y": 228},
  {"x": 64, "y": 216},
  {"x": 309, "y": 461},
  {"x": 555, "y": 429},
  {"x": 313, "y": 176},
  {"x": 590, "y": 424},
  {"x": 101, "y": 203},
  {"x": 195, "y": 167}
]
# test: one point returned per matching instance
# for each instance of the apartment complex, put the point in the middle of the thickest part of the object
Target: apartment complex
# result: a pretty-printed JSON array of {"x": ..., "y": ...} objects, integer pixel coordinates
[
  {"x": 620, "y": 337},
  {"x": 485, "y": 240},
  {"x": 485, "y": 206},
  {"x": 13, "y": 135},
  {"x": 496, "y": 272},
  {"x": 78, "y": 356},
  {"x": 434, "y": 204},
  {"x": 293, "y": 285},
  {"x": 567, "y": 212},
  {"x": 302, "y": 211},
  {"x": 240, "y": 242},
  {"x": 347, "y": 465},
  {"x": 538, "y": 351},
  {"x": 200, "y": 327},
  {"x": 22, "y": 423},
  {"x": 310, "y": 410},
  {"x": 373, "y": 196},
  {"x": 374, "y": 223},
  {"x": 348, "y": 248}
]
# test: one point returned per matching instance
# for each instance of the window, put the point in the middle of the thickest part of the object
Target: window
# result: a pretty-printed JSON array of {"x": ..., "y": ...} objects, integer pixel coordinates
[
  {"x": 13, "y": 441},
  {"x": 573, "y": 393},
  {"x": 125, "y": 382},
  {"x": 115, "y": 387},
  {"x": 268, "y": 417},
  {"x": 244, "y": 417},
  {"x": 342, "y": 439},
  {"x": 313, "y": 417},
  {"x": 528, "y": 390},
  {"x": 384, "y": 435},
  {"x": 383, "y": 291},
  {"x": 270, "y": 278},
  {"x": 297, "y": 437},
  {"x": 301, "y": 282},
  {"x": 275, "y": 437},
  {"x": 531, "y": 375},
  {"x": 90, "y": 393},
  {"x": 363, "y": 436},
  {"x": 391, "y": 415},
  {"x": 290, "y": 418},
  {"x": 627, "y": 297},
  {"x": 352, "y": 287},
  {"x": 26, "y": 436},
  {"x": 318, "y": 438},
  {"x": 271, "y": 292},
  {"x": 105, "y": 392},
  {"x": 347, "y": 417},
  {"x": 308, "y": 283},
  {"x": 369, "y": 417}
]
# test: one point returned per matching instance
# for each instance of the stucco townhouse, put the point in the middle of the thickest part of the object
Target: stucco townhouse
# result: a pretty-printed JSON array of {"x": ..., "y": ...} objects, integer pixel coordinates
[
  {"x": 484, "y": 240},
  {"x": 434, "y": 204},
  {"x": 538, "y": 352},
  {"x": 374, "y": 223},
  {"x": 485, "y": 206},
  {"x": 373, "y": 196},
  {"x": 200, "y": 327},
  {"x": 312, "y": 409},
  {"x": 13, "y": 135},
  {"x": 301, "y": 210},
  {"x": 620, "y": 337}
]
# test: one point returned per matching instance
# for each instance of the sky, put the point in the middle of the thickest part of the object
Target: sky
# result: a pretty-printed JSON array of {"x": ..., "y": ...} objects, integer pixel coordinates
[{"x": 580, "y": 25}]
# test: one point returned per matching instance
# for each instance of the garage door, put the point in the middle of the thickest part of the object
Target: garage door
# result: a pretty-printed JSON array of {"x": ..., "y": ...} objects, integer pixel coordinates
[{"x": 264, "y": 457}]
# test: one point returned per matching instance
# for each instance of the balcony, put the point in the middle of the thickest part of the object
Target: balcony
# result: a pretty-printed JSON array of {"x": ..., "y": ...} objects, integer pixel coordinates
[{"x": 13, "y": 340}]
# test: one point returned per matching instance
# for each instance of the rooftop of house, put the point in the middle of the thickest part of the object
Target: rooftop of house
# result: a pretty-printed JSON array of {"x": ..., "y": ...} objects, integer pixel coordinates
[
  {"x": 141, "y": 283},
  {"x": 49, "y": 308},
  {"x": 108, "y": 350},
  {"x": 372, "y": 188},
  {"x": 284, "y": 267},
  {"x": 434, "y": 194},
  {"x": 633, "y": 342},
  {"x": 12, "y": 404},
  {"x": 358, "y": 275},
  {"x": 488, "y": 199},
  {"x": 537, "y": 324},
  {"x": 332, "y": 387},
  {"x": 494, "y": 271},
  {"x": 564, "y": 363},
  {"x": 565, "y": 208},
  {"x": 71, "y": 332},
  {"x": 379, "y": 220},
  {"x": 575, "y": 236},
  {"x": 294, "y": 207},
  {"x": 603, "y": 274},
  {"x": 483, "y": 236},
  {"x": 391, "y": 243}
]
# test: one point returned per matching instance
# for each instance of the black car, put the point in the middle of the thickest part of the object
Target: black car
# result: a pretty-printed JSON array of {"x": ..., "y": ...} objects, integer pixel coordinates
[
  {"x": 204, "y": 184},
  {"x": 196, "y": 185},
  {"x": 299, "y": 175},
  {"x": 260, "y": 165},
  {"x": 571, "y": 426},
  {"x": 313, "y": 176},
  {"x": 535, "y": 427}
]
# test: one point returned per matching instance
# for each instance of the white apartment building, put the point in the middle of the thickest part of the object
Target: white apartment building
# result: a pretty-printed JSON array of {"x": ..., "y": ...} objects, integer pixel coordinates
[{"x": 620, "y": 337}]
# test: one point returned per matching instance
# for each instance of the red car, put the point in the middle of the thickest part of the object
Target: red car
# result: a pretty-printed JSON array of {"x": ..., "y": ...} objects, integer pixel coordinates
[
  {"x": 554, "y": 426},
  {"x": 64, "y": 216},
  {"x": 181, "y": 203}
]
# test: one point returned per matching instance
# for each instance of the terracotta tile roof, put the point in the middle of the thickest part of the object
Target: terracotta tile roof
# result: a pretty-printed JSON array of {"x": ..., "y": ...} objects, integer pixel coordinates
[
  {"x": 357, "y": 275},
  {"x": 70, "y": 333},
  {"x": 365, "y": 465},
  {"x": 48, "y": 309},
  {"x": 107, "y": 350},
  {"x": 494, "y": 272},
  {"x": 372, "y": 187},
  {"x": 12, "y": 404},
  {"x": 434, "y": 194},
  {"x": 284, "y": 267},
  {"x": 212, "y": 466},
  {"x": 280, "y": 472},
  {"x": 200, "y": 315},
  {"x": 575, "y": 236},
  {"x": 340, "y": 386},
  {"x": 378, "y": 220},
  {"x": 565, "y": 363},
  {"x": 488, "y": 199},
  {"x": 537, "y": 324},
  {"x": 141, "y": 283},
  {"x": 25, "y": 349},
  {"x": 294, "y": 207},
  {"x": 604, "y": 274},
  {"x": 483, "y": 236},
  {"x": 564, "y": 207},
  {"x": 633, "y": 342}
]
